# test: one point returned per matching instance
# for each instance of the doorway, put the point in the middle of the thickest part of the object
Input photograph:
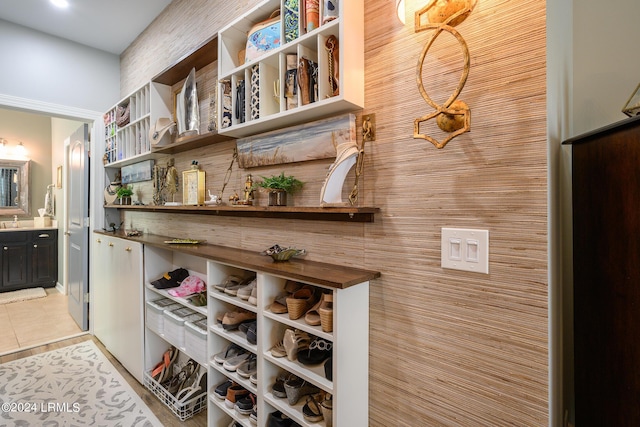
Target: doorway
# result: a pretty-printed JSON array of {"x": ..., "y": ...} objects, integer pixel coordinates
[{"x": 59, "y": 324}]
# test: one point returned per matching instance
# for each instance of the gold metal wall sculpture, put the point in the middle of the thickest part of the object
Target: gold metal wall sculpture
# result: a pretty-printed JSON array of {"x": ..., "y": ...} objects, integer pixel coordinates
[{"x": 453, "y": 116}]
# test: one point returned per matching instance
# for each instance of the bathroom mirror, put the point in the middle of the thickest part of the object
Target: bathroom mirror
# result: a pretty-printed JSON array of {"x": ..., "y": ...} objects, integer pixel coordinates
[{"x": 14, "y": 187}]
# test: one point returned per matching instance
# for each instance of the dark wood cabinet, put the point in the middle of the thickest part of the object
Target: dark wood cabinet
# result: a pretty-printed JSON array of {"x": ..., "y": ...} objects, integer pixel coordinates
[
  {"x": 606, "y": 271},
  {"x": 29, "y": 259},
  {"x": 44, "y": 258}
]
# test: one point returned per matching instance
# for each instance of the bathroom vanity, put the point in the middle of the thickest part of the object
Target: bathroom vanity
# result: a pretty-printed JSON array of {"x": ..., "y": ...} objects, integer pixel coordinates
[{"x": 29, "y": 258}]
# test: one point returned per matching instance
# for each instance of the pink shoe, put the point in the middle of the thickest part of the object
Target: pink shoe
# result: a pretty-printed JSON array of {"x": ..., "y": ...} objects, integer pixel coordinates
[{"x": 190, "y": 285}]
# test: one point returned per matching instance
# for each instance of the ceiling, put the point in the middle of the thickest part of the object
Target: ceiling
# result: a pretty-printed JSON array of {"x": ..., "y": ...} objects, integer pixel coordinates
[{"x": 109, "y": 25}]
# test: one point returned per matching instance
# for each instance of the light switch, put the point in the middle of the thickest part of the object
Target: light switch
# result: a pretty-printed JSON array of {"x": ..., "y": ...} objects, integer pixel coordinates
[
  {"x": 465, "y": 249},
  {"x": 454, "y": 249},
  {"x": 472, "y": 250}
]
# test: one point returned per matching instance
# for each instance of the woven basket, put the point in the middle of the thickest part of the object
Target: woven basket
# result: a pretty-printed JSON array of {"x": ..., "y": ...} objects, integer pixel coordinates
[{"x": 326, "y": 313}]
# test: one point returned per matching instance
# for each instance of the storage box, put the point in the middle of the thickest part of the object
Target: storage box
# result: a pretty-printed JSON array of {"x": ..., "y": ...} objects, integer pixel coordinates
[
  {"x": 155, "y": 313},
  {"x": 41, "y": 221},
  {"x": 174, "y": 324},
  {"x": 195, "y": 340}
]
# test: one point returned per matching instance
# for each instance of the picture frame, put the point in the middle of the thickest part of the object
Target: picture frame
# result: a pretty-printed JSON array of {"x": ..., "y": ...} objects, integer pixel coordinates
[
  {"x": 59, "y": 178},
  {"x": 632, "y": 107},
  {"x": 137, "y": 172},
  {"x": 193, "y": 182}
]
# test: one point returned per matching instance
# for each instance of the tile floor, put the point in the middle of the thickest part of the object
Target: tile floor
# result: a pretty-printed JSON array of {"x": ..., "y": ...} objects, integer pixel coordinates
[{"x": 35, "y": 322}]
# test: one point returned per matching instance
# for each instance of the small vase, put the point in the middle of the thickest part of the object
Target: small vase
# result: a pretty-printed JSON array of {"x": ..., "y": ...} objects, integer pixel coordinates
[
  {"x": 277, "y": 198},
  {"x": 125, "y": 200}
]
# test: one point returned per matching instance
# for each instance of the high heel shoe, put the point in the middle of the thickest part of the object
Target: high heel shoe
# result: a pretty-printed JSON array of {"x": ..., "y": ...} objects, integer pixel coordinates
[
  {"x": 295, "y": 341},
  {"x": 327, "y": 410},
  {"x": 296, "y": 388},
  {"x": 300, "y": 302}
]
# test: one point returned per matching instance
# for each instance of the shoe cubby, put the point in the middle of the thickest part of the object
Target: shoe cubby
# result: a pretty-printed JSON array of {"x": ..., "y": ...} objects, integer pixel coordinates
[
  {"x": 349, "y": 337},
  {"x": 171, "y": 321},
  {"x": 347, "y": 67}
]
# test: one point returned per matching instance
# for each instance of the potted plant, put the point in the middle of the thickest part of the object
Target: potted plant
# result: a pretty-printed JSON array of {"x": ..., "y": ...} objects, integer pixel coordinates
[
  {"x": 124, "y": 193},
  {"x": 277, "y": 186}
]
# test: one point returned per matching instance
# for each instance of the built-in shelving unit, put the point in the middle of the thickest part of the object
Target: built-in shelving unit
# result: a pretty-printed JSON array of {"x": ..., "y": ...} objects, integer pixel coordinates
[
  {"x": 349, "y": 287},
  {"x": 270, "y": 69}
]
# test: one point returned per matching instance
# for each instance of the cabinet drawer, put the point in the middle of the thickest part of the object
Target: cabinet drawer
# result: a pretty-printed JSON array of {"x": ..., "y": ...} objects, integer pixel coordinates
[
  {"x": 14, "y": 236},
  {"x": 44, "y": 235}
]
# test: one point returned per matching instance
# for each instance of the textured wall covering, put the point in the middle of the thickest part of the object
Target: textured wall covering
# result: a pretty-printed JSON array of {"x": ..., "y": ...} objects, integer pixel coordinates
[{"x": 447, "y": 348}]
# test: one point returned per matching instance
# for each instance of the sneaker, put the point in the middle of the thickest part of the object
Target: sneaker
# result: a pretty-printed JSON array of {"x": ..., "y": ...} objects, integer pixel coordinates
[
  {"x": 229, "y": 281},
  {"x": 254, "y": 378},
  {"x": 254, "y": 416},
  {"x": 253, "y": 298},
  {"x": 234, "y": 393},
  {"x": 233, "y": 319},
  {"x": 245, "y": 405},
  {"x": 245, "y": 291},
  {"x": 232, "y": 289},
  {"x": 221, "y": 389}
]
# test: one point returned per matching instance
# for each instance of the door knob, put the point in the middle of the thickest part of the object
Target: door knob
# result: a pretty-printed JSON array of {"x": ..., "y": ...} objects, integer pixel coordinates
[
  {"x": 128, "y": 249},
  {"x": 98, "y": 240},
  {"x": 35, "y": 246},
  {"x": 110, "y": 244},
  {"x": 6, "y": 248}
]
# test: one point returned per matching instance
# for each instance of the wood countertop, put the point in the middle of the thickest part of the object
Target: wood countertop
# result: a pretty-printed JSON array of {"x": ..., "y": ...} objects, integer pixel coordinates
[{"x": 318, "y": 273}]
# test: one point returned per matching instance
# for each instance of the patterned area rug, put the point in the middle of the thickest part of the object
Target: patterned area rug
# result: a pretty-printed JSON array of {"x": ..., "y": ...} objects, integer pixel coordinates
[
  {"x": 22, "y": 295},
  {"x": 71, "y": 386}
]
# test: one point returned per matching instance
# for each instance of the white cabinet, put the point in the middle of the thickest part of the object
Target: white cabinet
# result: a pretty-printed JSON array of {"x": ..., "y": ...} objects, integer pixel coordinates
[
  {"x": 117, "y": 296},
  {"x": 123, "y": 144},
  {"x": 270, "y": 69}
]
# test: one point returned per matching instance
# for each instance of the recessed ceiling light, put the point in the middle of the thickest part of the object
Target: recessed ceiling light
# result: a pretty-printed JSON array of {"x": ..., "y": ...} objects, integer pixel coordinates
[{"x": 60, "y": 3}]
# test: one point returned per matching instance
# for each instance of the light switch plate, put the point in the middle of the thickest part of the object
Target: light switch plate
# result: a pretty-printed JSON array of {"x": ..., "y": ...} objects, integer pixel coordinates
[{"x": 465, "y": 249}]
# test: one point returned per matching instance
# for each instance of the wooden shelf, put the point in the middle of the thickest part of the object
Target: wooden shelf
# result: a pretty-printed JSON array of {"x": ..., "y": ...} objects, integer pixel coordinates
[
  {"x": 347, "y": 214},
  {"x": 179, "y": 146},
  {"x": 200, "y": 57}
]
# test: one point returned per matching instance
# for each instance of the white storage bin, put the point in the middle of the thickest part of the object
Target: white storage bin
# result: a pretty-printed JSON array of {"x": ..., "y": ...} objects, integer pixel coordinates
[
  {"x": 195, "y": 339},
  {"x": 174, "y": 324},
  {"x": 155, "y": 313}
]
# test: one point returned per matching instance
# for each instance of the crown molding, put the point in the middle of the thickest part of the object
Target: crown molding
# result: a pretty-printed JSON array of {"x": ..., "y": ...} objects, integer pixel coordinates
[{"x": 55, "y": 110}]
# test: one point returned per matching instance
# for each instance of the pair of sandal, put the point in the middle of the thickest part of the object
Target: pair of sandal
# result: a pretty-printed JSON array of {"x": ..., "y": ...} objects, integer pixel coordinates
[
  {"x": 318, "y": 407},
  {"x": 193, "y": 385},
  {"x": 164, "y": 370},
  {"x": 190, "y": 380},
  {"x": 292, "y": 342}
]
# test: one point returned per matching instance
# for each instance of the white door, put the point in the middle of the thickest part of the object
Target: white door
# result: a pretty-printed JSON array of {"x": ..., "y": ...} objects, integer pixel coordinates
[{"x": 78, "y": 228}]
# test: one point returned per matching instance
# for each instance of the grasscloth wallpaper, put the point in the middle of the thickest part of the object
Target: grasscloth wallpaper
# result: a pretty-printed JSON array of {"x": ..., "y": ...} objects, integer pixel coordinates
[{"x": 447, "y": 348}]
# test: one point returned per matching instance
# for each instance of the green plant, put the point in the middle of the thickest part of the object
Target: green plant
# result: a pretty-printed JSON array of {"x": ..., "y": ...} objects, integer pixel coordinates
[
  {"x": 124, "y": 191},
  {"x": 280, "y": 182}
]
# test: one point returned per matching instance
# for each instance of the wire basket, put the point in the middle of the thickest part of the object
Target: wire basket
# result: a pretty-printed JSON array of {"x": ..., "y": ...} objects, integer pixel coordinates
[{"x": 183, "y": 410}]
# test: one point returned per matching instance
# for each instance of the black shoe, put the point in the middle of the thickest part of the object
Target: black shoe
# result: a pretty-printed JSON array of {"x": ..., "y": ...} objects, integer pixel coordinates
[
  {"x": 246, "y": 404},
  {"x": 221, "y": 389}
]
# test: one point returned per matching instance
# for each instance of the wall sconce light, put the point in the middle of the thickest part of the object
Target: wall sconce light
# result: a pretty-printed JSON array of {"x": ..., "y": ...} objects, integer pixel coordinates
[
  {"x": 400, "y": 10},
  {"x": 18, "y": 152},
  {"x": 453, "y": 116}
]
